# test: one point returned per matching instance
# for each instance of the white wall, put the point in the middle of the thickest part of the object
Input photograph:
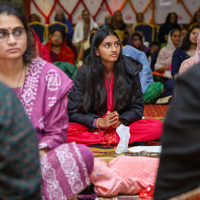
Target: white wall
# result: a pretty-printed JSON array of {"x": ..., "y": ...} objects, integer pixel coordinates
[{"x": 163, "y": 7}]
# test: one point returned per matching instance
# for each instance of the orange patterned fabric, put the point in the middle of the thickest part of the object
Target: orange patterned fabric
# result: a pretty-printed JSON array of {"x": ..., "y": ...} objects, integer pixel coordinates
[
  {"x": 65, "y": 55},
  {"x": 111, "y": 136}
]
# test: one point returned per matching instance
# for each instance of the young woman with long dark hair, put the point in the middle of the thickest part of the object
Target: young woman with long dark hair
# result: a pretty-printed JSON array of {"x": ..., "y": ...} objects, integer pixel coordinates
[
  {"x": 106, "y": 94},
  {"x": 195, "y": 59},
  {"x": 137, "y": 42},
  {"x": 186, "y": 50},
  {"x": 120, "y": 27}
]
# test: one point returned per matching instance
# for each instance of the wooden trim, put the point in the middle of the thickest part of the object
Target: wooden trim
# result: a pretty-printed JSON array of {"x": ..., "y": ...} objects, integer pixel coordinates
[{"x": 26, "y": 7}]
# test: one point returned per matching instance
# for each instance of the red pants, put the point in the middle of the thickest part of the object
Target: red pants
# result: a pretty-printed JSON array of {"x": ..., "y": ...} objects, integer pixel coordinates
[{"x": 141, "y": 130}]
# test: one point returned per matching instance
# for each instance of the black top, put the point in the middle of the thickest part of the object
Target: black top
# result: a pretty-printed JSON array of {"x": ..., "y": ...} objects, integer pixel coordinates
[
  {"x": 179, "y": 169},
  {"x": 165, "y": 29},
  {"x": 178, "y": 57},
  {"x": 153, "y": 59},
  {"x": 86, "y": 54},
  {"x": 133, "y": 111}
]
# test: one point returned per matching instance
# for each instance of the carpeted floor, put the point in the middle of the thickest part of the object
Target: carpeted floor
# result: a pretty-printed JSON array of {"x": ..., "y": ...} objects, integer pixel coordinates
[
  {"x": 109, "y": 154},
  {"x": 151, "y": 110}
]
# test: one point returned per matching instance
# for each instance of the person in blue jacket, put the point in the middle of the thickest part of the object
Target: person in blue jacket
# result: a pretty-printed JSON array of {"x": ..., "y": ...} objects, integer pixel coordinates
[{"x": 151, "y": 90}]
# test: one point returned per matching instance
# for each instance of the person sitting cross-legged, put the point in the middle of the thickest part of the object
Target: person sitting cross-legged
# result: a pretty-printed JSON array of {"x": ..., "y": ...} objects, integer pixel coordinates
[{"x": 106, "y": 94}]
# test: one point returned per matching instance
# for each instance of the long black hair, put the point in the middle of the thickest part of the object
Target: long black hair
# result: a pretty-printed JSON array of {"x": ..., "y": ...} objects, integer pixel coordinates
[
  {"x": 136, "y": 34},
  {"x": 168, "y": 17},
  {"x": 194, "y": 19},
  {"x": 94, "y": 86},
  {"x": 140, "y": 38},
  {"x": 114, "y": 26},
  {"x": 186, "y": 41},
  {"x": 10, "y": 9}
]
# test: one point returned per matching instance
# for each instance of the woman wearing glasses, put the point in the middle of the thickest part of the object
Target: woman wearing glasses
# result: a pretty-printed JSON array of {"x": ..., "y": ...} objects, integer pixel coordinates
[
  {"x": 58, "y": 49},
  {"x": 43, "y": 91}
]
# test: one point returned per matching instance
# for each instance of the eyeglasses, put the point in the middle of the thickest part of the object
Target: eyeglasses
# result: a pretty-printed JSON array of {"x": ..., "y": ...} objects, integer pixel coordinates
[
  {"x": 18, "y": 33},
  {"x": 55, "y": 36},
  {"x": 84, "y": 15}
]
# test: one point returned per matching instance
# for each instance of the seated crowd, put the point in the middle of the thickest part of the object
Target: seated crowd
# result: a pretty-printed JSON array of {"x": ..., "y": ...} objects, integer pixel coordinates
[
  {"x": 165, "y": 53},
  {"x": 118, "y": 72}
]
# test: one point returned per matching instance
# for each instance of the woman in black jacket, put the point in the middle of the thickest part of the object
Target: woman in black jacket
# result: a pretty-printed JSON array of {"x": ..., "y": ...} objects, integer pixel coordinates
[
  {"x": 170, "y": 23},
  {"x": 107, "y": 93}
]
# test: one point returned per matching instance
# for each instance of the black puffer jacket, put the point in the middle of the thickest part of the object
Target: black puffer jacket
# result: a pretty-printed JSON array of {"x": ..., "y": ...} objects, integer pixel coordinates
[{"x": 132, "y": 112}]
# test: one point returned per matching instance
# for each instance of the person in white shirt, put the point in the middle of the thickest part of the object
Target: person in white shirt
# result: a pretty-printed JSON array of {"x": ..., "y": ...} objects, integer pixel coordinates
[{"x": 83, "y": 29}]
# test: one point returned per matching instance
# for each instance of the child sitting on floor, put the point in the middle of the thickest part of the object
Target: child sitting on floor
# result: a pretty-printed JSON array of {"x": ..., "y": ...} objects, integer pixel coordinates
[{"x": 107, "y": 93}]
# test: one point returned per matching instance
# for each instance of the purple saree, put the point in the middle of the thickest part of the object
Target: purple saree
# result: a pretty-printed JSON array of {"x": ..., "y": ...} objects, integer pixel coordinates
[{"x": 44, "y": 96}]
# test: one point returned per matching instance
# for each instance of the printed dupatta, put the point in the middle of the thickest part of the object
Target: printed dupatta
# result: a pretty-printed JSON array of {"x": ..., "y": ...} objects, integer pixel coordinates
[
  {"x": 44, "y": 86},
  {"x": 165, "y": 56}
]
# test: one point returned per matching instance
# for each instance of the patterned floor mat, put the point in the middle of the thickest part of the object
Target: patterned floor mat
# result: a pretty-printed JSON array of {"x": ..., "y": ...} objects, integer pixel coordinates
[
  {"x": 151, "y": 110},
  {"x": 136, "y": 197},
  {"x": 120, "y": 197},
  {"x": 109, "y": 154}
]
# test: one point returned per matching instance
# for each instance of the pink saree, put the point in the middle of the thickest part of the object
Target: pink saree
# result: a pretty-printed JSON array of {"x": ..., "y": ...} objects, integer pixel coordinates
[
  {"x": 123, "y": 175},
  {"x": 44, "y": 96}
]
